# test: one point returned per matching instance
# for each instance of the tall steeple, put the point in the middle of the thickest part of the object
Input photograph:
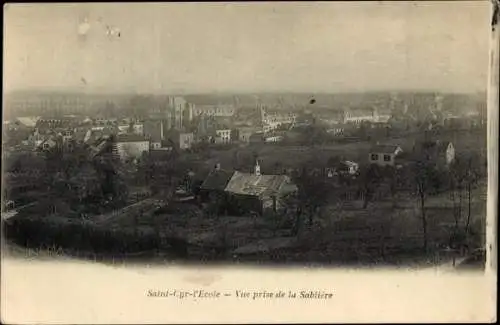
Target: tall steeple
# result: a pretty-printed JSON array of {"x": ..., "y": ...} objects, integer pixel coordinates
[{"x": 257, "y": 168}]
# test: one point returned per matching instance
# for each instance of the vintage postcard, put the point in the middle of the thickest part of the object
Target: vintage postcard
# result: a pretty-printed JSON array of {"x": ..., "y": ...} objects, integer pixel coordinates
[{"x": 249, "y": 162}]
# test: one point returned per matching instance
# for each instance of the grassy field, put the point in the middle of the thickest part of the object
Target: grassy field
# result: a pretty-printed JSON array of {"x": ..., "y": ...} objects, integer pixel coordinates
[
  {"x": 296, "y": 156},
  {"x": 341, "y": 235}
]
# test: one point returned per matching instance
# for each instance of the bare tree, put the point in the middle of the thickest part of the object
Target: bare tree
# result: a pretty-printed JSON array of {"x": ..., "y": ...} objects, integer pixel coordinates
[
  {"x": 370, "y": 181},
  {"x": 292, "y": 206},
  {"x": 423, "y": 174}
]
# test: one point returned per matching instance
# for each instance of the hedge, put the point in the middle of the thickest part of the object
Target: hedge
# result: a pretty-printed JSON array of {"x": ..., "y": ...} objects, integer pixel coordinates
[{"x": 77, "y": 235}]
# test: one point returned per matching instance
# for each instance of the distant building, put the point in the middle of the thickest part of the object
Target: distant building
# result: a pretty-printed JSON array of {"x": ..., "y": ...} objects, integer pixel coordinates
[
  {"x": 273, "y": 119},
  {"x": 181, "y": 109},
  {"x": 49, "y": 124},
  {"x": 336, "y": 131},
  {"x": 131, "y": 146},
  {"x": 155, "y": 131},
  {"x": 273, "y": 138},
  {"x": 384, "y": 155},
  {"x": 123, "y": 128},
  {"x": 91, "y": 136},
  {"x": 67, "y": 134},
  {"x": 182, "y": 140},
  {"x": 48, "y": 143},
  {"x": 244, "y": 133},
  {"x": 222, "y": 136},
  {"x": 357, "y": 116},
  {"x": 218, "y": 110},
  {"x": 175, "y": 112}
]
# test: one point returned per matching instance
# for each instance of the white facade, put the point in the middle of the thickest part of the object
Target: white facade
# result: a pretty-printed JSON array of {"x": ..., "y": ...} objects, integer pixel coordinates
[
  {"x": 338, "y": 131},
  {"x": 358, "y": 118},
  {"x": 132, "y": 149},
  {"x": 223, "y": 136},
  {"x": 155, "y": 145},
  {"x": 273, "y": 120},
  {"x": 214, "y": 110},
  {"x": 384, "y": 158},
  {"x": 272, "y": 139},
  {"x": 186, "y": 140}
]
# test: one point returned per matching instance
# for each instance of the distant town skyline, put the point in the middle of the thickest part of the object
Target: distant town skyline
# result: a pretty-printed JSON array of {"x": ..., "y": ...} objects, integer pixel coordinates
[{"x": 245, "y": 48}]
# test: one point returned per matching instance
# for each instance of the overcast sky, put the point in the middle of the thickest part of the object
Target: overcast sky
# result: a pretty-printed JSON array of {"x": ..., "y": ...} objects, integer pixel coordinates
[{"x": 300, "y": 47}]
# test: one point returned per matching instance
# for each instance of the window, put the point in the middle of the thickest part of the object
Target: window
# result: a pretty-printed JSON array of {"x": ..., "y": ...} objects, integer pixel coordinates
[
  {"x": 374, "y": 157},
  {"x": 45, "y": 146},
  {"x": 387, "y": 157}
]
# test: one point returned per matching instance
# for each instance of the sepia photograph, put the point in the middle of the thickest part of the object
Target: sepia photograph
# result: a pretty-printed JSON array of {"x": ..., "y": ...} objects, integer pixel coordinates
[{"x": 263, "y": 136}]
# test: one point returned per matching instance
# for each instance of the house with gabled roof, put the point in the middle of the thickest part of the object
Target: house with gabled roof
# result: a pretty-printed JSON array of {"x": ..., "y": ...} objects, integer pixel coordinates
[
  {"x": 215, "y": 183},
  {"x": 48, "y": 143},
  {"x": 257, "y": 192},
  {"x": 384, "y": 154}
]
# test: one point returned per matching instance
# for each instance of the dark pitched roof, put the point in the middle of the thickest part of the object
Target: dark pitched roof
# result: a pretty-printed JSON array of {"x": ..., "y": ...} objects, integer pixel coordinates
[
  {"x": 96, "y": 135},
  {"x": 217, "y": 180},
  {"x": 384, "y": 148}
]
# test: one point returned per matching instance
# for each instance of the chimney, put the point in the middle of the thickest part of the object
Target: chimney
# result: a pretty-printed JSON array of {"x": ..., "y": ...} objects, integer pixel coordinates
[
  {"x": 217, "y": 166},
  {"x": 257, "y": 168}
]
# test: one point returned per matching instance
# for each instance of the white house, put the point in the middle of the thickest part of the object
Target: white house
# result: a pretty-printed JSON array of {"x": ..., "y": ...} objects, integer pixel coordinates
[
  {"x": 384, "y": 155},
  {"x": 131, "y": 146}
]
